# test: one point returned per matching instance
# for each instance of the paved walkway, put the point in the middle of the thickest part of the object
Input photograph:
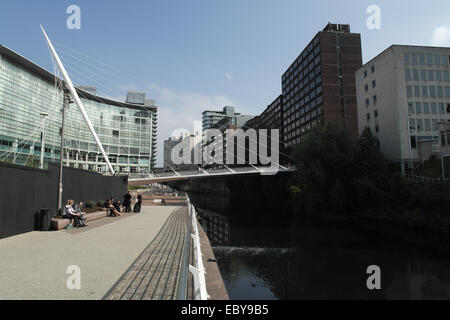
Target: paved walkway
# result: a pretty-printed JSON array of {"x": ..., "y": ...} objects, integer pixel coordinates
[
  {"x": 33, "y": 265},
  {"x": 154, "y": 275}
]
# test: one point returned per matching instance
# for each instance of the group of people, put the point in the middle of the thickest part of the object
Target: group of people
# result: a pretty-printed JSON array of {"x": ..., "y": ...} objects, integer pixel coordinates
[
  {"x": 73, "y": 211},
  {"x": 127, "y": 203}
]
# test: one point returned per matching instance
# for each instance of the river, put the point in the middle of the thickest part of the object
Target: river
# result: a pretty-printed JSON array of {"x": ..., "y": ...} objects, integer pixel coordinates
[{"x": 323, "y": 259}]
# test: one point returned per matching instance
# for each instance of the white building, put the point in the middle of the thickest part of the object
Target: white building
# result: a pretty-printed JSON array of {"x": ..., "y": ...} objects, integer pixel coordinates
[
  {"x": 175, "y": 160},
  {"x": 402, "y": 95}
]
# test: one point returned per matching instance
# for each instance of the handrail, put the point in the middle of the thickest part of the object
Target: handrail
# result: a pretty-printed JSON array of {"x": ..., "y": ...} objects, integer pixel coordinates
[
  {"x": 198, "y": 271},
  {"x": 182, "y": 290}
]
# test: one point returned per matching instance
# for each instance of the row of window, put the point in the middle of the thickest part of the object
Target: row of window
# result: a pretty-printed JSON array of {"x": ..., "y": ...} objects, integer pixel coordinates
[
  {"x": 428, "y": 108},
  {"x": 426, "y": 59},
  {"x": 423, "y": 124},
  {"x": 303, "y": 78},
  {"x": 428, "y": 92},
  {"x": 372, "y": 70},
  {"x": 292, "y": 113},
  {"x": 303, "y": 59},
  {"x": 427, "y": 75}
]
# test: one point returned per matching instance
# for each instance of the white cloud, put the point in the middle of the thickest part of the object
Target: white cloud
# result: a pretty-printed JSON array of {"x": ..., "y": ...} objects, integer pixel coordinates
[
  {"x": 179, "y": 109},
  {"x": 441, "y": 37},
  {"x": 229, "y": 76}
]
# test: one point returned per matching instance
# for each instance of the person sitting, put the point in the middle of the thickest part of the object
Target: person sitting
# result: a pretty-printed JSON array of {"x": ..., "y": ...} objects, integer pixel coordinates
[
  {"x": 110, "y": 208},
  {"x": 78, "y": 207},
  {"x": 70, "y": 213},
  {"x": 116, "y": 205}
]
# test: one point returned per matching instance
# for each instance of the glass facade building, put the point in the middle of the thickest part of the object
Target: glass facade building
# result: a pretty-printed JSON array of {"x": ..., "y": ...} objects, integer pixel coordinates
[{"x": 127, "y": 131}]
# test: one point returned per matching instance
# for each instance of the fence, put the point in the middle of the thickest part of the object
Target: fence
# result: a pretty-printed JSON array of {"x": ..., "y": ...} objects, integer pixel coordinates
[
  {"x": 198, "y": 270},
  {"x": 24, "y": 191}
]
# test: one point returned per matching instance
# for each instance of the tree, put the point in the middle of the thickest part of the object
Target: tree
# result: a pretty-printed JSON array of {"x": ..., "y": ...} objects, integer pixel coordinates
[{"x": 338, "y": 174}]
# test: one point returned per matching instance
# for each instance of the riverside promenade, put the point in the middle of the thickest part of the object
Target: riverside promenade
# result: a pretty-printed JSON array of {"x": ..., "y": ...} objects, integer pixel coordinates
[{"x": 135, "y": 257}]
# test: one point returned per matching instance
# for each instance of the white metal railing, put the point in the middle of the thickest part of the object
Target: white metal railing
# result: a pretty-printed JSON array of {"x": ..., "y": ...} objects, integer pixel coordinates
[{"x": 198, "y": 271}]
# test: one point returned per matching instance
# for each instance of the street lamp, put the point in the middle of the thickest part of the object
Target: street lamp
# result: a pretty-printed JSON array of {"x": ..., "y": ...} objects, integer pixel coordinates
[
  {"x": 41, "y": 163},
  {"x": 66, "y": 101}
]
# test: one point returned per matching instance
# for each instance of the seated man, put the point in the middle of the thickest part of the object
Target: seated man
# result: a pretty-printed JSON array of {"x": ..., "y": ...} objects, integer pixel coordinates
[
  {"x": 78, "y": 207},
  {"x": 70, "y": 213}
]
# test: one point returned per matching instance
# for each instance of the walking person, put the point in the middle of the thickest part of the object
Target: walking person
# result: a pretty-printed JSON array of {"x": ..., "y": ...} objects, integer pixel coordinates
[
  {"x": 127, "y": 202},
  {"x": 137, "y": 206}
]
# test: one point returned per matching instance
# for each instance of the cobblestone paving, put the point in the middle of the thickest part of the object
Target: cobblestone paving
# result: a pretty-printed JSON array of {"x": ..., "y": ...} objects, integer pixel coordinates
[{"x": 155, "y": 273}]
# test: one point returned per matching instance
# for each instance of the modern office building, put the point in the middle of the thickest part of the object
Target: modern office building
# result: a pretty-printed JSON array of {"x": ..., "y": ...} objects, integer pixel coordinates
[
  {"x": 126, "y": 130},
  {"x": 221, "y": 121},
  {"x": 210, "y": 118},
  {"x": 403, "y": 94},
  {"x": 319, "y": 86},
  {"x": 175, "y": 161}
]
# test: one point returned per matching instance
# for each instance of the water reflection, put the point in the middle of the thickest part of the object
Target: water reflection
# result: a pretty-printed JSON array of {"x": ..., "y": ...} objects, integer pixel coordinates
[{"x": 327, "y": 260}]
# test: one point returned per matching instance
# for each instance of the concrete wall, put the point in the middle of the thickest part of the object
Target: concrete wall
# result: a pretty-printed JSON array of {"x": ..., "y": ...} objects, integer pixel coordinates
[{"x": 24, "y": 191}]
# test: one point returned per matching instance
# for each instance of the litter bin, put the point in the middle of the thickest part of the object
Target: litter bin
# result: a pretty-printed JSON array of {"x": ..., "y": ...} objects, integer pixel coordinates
[{"x": 45, "y": 220}]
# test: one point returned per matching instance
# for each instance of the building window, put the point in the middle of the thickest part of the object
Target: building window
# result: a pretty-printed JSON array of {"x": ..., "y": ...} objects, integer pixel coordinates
[
  {"x": 377, "y": 128},
  {"x": 432, "y": 92},
  {"x": 433, "y": 108},
  {"x": 429, "y": 59},
  {"x": 375, "y": 99},
  {"x": 408, "y": 74},
  {"x": 374, "y": 84},
  {"x": 425, "y": 91},
  {"x": 426, "y": 108},
  {"x": 372, "y": 69},
  {"x": 115, "y": 133},
  {"x": 365, "y": 73},
  {"x": 417, "y": 91},
  {"x": 407, "y": 58},
  {"x": 448, "y": 107},
  {"x": 375, "y": 113},
  {"x": 366, "y": 87},
  {"x": 416, "y": 75},
  {"x": 409, "y": 91},
  {"x": 411, "y": 108},
  {"x": 418, "y": 108},
  {"x": 423, "y": 75},
  {"x": 413, "y": 143},
  {"x": 431, "y": 75},
  {"x": 368, "y": 116},
  {"x": 422, "y": 59}
]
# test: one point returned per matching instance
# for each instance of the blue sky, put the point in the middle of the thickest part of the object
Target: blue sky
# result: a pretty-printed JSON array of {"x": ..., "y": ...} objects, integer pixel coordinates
[{"x": 204, "y": 54}]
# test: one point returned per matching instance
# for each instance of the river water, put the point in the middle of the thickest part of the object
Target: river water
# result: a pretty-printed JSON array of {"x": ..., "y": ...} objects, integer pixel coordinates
[{"x": 323, "y": 259}]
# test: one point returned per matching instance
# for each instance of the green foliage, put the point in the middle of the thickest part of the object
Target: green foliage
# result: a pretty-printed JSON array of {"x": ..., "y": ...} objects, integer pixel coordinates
[
  {"x": 340, "y": 175},
  {"x": 100, "y": 203},
  {"x": 90, "y": 204}
]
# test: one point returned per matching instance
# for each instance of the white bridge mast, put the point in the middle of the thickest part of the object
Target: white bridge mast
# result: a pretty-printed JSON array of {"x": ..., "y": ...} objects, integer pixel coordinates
[{"x": 78, "y": 101}]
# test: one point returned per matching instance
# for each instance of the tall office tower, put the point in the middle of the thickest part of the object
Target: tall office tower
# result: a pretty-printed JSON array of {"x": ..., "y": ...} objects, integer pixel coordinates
[
  {"x": 210, "y": 118},
  {"x": 150, "y": 108},
  {"x": 319, "y": 86},
  {"x": 404, "y": 98}
]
